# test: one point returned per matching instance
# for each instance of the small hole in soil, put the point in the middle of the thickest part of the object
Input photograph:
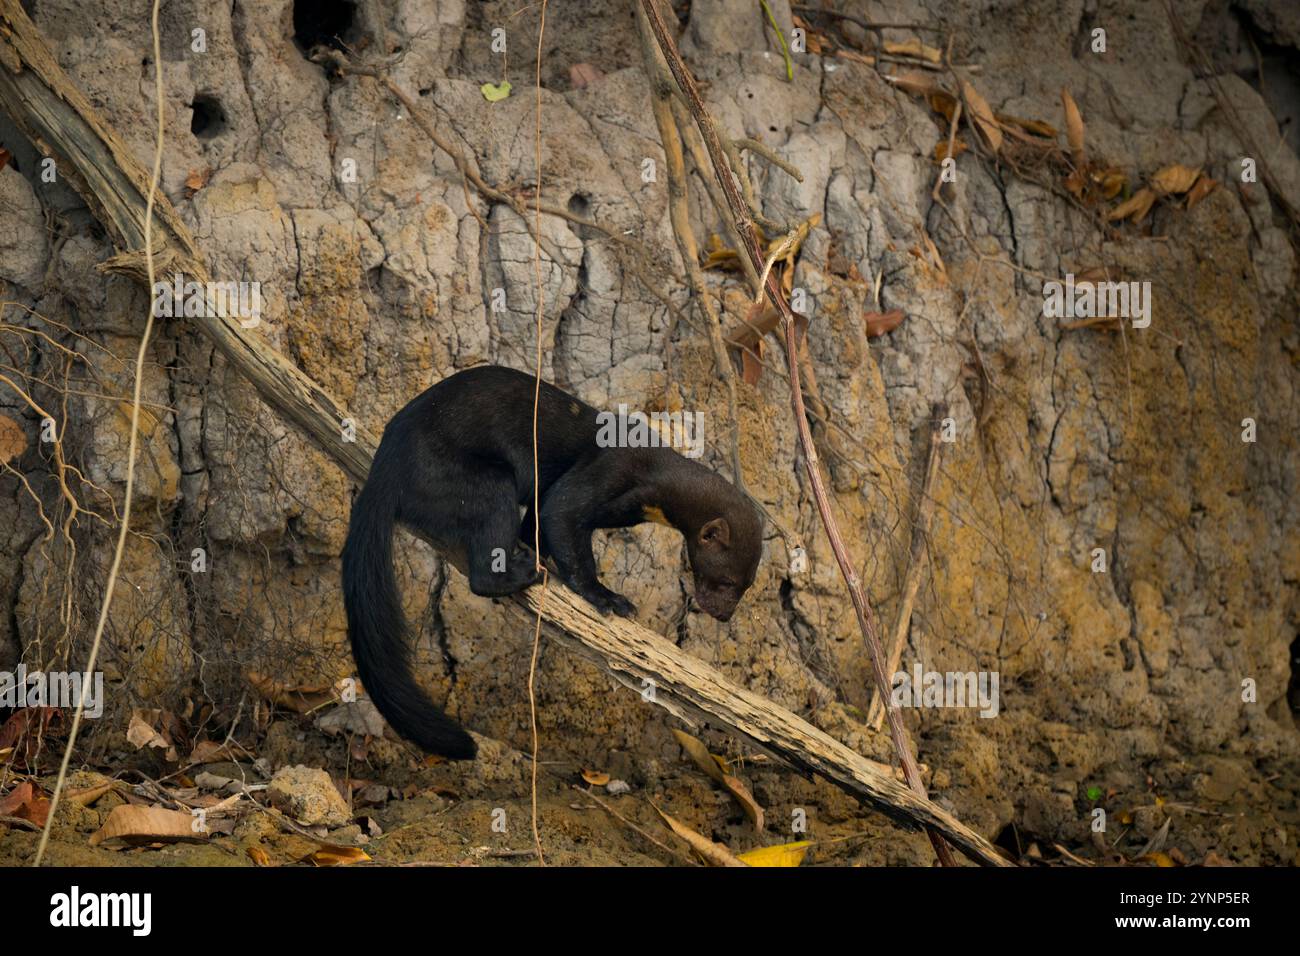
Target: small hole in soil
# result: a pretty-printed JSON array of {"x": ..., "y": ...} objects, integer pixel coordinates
[
  {"x": 322, "y": 23},
  {"x": 209, "y": 119}
]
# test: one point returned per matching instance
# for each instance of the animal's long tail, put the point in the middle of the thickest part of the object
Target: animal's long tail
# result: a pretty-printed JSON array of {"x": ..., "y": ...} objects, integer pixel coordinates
[{"x": 377, "y": 626}]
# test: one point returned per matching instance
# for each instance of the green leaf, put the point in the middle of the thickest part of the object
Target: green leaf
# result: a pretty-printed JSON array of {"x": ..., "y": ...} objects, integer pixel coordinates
[
  {"x": 1094, "y": 793},
  {"x": 494, "y": 92}
]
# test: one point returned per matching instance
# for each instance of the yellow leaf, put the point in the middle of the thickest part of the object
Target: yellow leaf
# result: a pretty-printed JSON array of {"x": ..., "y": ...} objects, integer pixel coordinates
[
  {"x": 941, "y": 149},
  {"x": 495, "y": 92},
  {"x": 914, "y": 47},
  {"x": 787, "y": 854},
  {"x": 337, "y": 856},
  {"x": 1135, "y": 207},
  {"x": 1175, "y": 180},
  {"x": 1159, "y": 859},
  {"x": 258, "y": 856}
]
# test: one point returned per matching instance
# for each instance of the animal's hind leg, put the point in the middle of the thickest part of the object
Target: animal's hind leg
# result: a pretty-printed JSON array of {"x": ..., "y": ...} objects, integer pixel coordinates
[
  {"x": 473, "y": 512},
  {"x": 498, "y": 562}
]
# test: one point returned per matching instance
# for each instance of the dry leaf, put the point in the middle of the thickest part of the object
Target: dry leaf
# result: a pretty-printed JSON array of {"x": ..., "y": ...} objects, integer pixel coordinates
[
  {"x": 1175, "y": 180},
  {"x": 712, "y": 766},
  {"x": 984, "y": 121},
  {"x": 13, "y": 440},
  {"x": 878, "y": 323},
  {"x": 943, "y": 103},
  {"x": 1110, "y": 182},
  {"x": 259, "y": 856},
  {"x": 1036, "y": 127},
  {"x": 133, "y": 825},
  {"x": 1159, "y": 859},
  {"x": 26, "y": 802},
  {"x": 197, "y": 179},
  {"x": 941, "y": 149},
  {"x": 787, "y": 854},
  {"x": 84, "y": 798},
  {"x": 914, "y": 47},
  {"x": 337, "y": 856},
  {"x": 1213, "y": 859},
  {"x": 1135, "y": 207},
  {"x": 5, "y": 156},
  {"x": 1204, "y": 186},
  {"x": 916, "y": 82},
  {"x": 1073, "y": 128},
  {"x": 714, "y": 854},
  {"x": 595, "y": 777},
  {"x": 301, "y": 700}
]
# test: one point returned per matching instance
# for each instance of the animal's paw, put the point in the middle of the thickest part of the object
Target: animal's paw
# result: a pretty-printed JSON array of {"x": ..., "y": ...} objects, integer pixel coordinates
[{"x": 610, "y": 602}]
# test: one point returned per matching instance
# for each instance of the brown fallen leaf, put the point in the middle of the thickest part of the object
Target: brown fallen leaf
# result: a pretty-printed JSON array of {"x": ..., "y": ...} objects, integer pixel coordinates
[
  {"x": 1213, "y": 859},
  {"x": 879, "y": 323},
  {"x": 595, "y": 777},
  {"x": 301, "y": 700},
  {"x": 917, "y": 82},
  {"x": 1174, "y": 180},
  {"x": 1073, "y": 129},
  {"x": 1135, "y": 207},
  {"x": 1204, "y": 186},
  {"x": 197, "y": 179},
  {"x": 978, "y": 107},
  {"x": 714, "y": 854},
  {"x": 1110, "y": 182},
  {"x": 5, "y": 156},
  {"x": 713, "y": 766},
  {"x": 786, "y": 854},
  {"x": 1159, "y": 859},
  {"x": 135, "y": 825},
  {"x": 84, "y": 798},
  {"x": 26, "y": 802}
]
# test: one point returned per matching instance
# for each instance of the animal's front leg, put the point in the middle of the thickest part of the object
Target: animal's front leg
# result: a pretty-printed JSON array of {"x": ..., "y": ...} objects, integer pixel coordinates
[{"x": 569, "y": 542}]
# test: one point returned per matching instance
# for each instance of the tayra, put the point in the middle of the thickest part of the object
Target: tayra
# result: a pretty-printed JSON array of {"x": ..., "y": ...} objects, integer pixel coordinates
[{"x": 456, "y": 466}]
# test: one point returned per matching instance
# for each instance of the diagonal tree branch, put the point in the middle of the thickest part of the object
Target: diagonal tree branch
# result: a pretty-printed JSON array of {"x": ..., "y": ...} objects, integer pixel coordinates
[{"x": 41, "y": 100}]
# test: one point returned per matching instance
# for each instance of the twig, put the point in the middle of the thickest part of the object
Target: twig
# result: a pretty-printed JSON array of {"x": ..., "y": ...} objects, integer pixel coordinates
[
  {"x": 618, "y": 816},
  {"x": 916, "y": 559}
]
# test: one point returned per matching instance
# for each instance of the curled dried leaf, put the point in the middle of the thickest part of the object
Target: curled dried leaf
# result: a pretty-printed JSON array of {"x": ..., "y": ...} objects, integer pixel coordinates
[
  {"x": 1036, "y": 127},
  {"x": 978, "y": 107},
  {"x": 878, "y": 323},
  {"x": 1174, "y": 180},
  {"x": 1135, "y": 207},
  {"x": 1073, "y": 128},
  {"x": 595, "y": 777},
  {"x": 914, "y": 47},
  {"x": 941, "y": 149}
]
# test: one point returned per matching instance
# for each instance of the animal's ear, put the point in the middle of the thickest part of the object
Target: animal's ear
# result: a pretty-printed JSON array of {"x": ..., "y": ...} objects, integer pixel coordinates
[{"x": 715, "y": 533}]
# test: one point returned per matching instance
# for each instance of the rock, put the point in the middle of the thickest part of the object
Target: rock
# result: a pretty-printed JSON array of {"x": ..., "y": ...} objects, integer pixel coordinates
[{"x": 309, "y": 796}]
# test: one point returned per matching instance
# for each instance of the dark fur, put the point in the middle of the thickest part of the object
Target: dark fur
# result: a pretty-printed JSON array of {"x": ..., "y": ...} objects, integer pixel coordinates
[{"x": 456, "y": 465}]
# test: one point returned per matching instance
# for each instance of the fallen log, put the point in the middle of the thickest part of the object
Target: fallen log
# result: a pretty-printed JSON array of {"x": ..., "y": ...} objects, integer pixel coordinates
[{"x": 41, "y": 100}]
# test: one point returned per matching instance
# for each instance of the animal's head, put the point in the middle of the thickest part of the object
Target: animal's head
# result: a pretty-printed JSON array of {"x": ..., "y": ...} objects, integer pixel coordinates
[{"x": 724, "y": 557}]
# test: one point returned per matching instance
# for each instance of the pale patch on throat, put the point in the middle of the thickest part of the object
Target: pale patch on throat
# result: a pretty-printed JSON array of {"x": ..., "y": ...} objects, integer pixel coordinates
[{"x": 651, "y": 513}]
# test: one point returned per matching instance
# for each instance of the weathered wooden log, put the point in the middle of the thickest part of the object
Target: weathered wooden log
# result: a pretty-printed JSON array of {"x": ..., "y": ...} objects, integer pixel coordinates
[{"x": 39, "y": 99}]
